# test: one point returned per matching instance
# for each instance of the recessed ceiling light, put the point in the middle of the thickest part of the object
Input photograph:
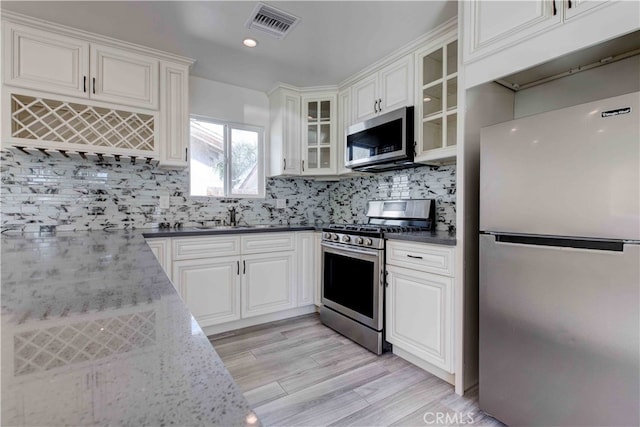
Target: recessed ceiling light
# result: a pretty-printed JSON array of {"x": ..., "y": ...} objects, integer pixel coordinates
[{"x": 249, "y": 42}]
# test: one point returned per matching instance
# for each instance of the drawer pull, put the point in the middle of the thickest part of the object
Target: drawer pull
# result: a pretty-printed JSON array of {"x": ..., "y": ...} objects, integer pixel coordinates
[{"x": 414, "y": 256}]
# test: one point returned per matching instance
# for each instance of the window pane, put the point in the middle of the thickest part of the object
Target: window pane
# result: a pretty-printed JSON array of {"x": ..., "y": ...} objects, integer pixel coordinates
[
  {"x": 207, "y": 158},
  {"x": 244, "y": 162}
]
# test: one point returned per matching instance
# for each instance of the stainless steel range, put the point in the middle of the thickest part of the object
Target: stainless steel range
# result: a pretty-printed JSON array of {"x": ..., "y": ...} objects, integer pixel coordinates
[{"x": 353, "y": 274}]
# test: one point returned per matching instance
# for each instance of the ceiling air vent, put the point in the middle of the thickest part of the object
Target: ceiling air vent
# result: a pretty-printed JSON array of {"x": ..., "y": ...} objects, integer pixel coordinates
[{"x": 272, "y": 21}]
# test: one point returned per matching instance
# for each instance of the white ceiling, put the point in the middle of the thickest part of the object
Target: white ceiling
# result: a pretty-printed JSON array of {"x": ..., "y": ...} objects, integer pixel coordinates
[{"x": 334, "y": 39}]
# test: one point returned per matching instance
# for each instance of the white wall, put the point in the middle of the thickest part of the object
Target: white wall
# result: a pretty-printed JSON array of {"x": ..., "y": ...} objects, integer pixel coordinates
[
  {"x": 227, "y": 102},
  {"x": 230, "y": 103},
  {"x": 602, "y": 82}
]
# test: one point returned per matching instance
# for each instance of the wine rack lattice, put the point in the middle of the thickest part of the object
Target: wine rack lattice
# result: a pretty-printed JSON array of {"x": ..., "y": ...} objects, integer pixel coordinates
[
  {"x": 49, "y": 348},
  {"x": 42, "y": 119}
]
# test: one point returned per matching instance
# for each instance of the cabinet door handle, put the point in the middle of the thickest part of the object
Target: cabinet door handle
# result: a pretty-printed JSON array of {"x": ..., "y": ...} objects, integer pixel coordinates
[
  {"x": 186, "y": 154},
  {"x": 244, "y": 267},
  {"x": 94, "y": 85},
  {"x": 375, "y": 106},
  {"x": 555, "y": 11},
  {"x": 238, "y": 267},
  {"x": 569, "y": 4},
  {"x": 84, "y": 85},
  {"x": 379, "y": 104},
  {"x": 414, "y": 256},
  {"x": 285, "y": 164},
  {"x": 303, "y": 166}
]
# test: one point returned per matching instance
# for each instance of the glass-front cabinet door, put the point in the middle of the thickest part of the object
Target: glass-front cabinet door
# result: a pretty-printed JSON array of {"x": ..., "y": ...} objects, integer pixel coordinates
[
  {"x": 319, "y": 142},
  {"x": 437, "y": 103}
]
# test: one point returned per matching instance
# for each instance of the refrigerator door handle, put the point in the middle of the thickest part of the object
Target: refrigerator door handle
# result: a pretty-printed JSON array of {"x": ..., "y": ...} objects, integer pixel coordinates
[{"x": 601, "y": 245}]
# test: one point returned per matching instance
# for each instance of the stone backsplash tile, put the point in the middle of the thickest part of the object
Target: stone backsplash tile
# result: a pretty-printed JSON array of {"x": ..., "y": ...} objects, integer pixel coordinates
[
  {"x": 349, "y": 197},
  {"x": 85, "y": 195},
  {"x": 71, "y": 194}
]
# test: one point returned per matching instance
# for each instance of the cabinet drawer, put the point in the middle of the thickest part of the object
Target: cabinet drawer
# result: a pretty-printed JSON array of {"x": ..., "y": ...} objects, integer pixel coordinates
[
  {"x": 203, "y": 247},
  {"x": 419, "y": 256},
  {"x": 267, "y": 242}
]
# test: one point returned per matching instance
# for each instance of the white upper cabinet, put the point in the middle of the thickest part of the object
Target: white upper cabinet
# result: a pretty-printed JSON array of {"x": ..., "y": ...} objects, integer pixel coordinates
[
  {"x": 319, "y": 144},
  {"x": 174, "y": 115},
  {"x": 504, "y": 37},
  {"x": 365, "y": 98},
  {"x": 576, "y": 7},
  {"x": 56, "y": 63},
  {"x": 499, "y": 23},
  {"x": 105, "y": 97},
  {"x": 437, "y": 115},
  {"x": 344, "y": 121},
  {"x": 46, "y": 61},
  {"x": 284, "y": 118},
  {"x": 385, "y": 90},
  {"x": 123, "y": 77}
]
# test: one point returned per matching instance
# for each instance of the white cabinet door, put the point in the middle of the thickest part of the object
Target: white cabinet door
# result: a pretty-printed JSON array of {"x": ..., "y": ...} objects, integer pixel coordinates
[
  {"x": 319, "y": 143},
  {"x": 344, "y": 121},
  {"x": 268, "y": 283},
  {"x": 174, "y": 115},
  {"x": 364, "y": 95},
  {"x": 123, "y": 77},
  {"x": 317, "y": 299},
  {"x": 419, "y": 308},
  {"x": 161, "y": 248},
  {"x": 284, "y": 118},
  {"x": 396, "y": 85},
  {"x": 576, "y": 7},
  {"x": 210, "y": 287},
  {"x": 45, "y": 61},
  {"x": 307, "y": 267},
  {"x": 496, "y": 24}
]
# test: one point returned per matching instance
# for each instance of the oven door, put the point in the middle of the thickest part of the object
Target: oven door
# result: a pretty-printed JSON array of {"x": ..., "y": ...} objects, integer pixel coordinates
[{"x": 351, "y": 280}]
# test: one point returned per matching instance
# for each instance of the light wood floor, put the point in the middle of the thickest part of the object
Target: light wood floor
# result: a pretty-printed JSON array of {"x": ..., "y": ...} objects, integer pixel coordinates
[{"x": 297, "y": 372}]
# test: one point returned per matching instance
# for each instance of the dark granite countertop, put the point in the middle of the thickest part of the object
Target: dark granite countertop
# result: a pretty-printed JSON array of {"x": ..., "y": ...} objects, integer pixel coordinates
[
  {"x": 94, "y": 333},
  {"x": 216, "y": 230},
  {"x": 435, "y": 237}
]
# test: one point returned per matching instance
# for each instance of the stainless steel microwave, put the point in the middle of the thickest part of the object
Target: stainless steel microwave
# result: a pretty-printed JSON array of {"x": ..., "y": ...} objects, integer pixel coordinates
[{"x": 384, "y": 142}]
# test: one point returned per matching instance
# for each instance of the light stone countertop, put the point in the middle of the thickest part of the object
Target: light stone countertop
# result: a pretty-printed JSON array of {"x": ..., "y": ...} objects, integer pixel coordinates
[{"x": 93, "y": 333}]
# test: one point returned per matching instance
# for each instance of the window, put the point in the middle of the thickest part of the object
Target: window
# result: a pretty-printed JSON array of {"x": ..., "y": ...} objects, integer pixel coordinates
[{"x": 227, "y": 159}]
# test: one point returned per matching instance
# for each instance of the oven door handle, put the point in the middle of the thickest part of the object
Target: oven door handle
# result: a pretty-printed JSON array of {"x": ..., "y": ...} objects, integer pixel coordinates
[{"x": 344, "y": 248}]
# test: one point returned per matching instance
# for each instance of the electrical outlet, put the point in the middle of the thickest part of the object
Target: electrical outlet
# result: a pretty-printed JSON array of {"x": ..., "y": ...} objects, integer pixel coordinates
[
  {"x": 281, "y": 203},
  {"x": 164, "y": 202}
]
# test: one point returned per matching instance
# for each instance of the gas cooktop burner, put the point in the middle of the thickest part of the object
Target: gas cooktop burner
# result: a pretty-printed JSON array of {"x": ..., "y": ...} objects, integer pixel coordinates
[{"x": 376, "y": 229}]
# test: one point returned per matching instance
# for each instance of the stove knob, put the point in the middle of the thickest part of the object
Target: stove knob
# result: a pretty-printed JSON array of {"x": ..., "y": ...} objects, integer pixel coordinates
[
  {"x": 359, "y": 240},
  {"x": 346, "y": 239},
  {"x": 335, "y": 237},
  {"x": 327, "y": 236},
  {"x": 368, "y": 242}
]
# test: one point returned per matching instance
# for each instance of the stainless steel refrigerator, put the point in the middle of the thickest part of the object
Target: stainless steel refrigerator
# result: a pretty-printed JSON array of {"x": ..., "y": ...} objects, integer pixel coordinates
[{"x": 560, "y": 266}]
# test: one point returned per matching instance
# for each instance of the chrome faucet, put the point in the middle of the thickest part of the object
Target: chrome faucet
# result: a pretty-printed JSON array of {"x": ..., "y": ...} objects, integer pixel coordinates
[{"x": 232, "y": 216}]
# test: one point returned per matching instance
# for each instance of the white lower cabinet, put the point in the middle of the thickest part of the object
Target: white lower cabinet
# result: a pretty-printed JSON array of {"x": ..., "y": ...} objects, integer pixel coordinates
[
  {"x": 210, "y": 287},
  {"x": 227, "y": 278},
  {"x": 308, "y": 271},
  {"x": 419, "y": 314},
  {"x": 268, "y": 283},
  {"x": 161, "y": 248},
  {"x": 419, "y": 304}
]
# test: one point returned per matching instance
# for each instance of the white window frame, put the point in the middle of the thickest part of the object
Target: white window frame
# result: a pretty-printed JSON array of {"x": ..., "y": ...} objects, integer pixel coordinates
[{"x": 228, "y": 126}]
